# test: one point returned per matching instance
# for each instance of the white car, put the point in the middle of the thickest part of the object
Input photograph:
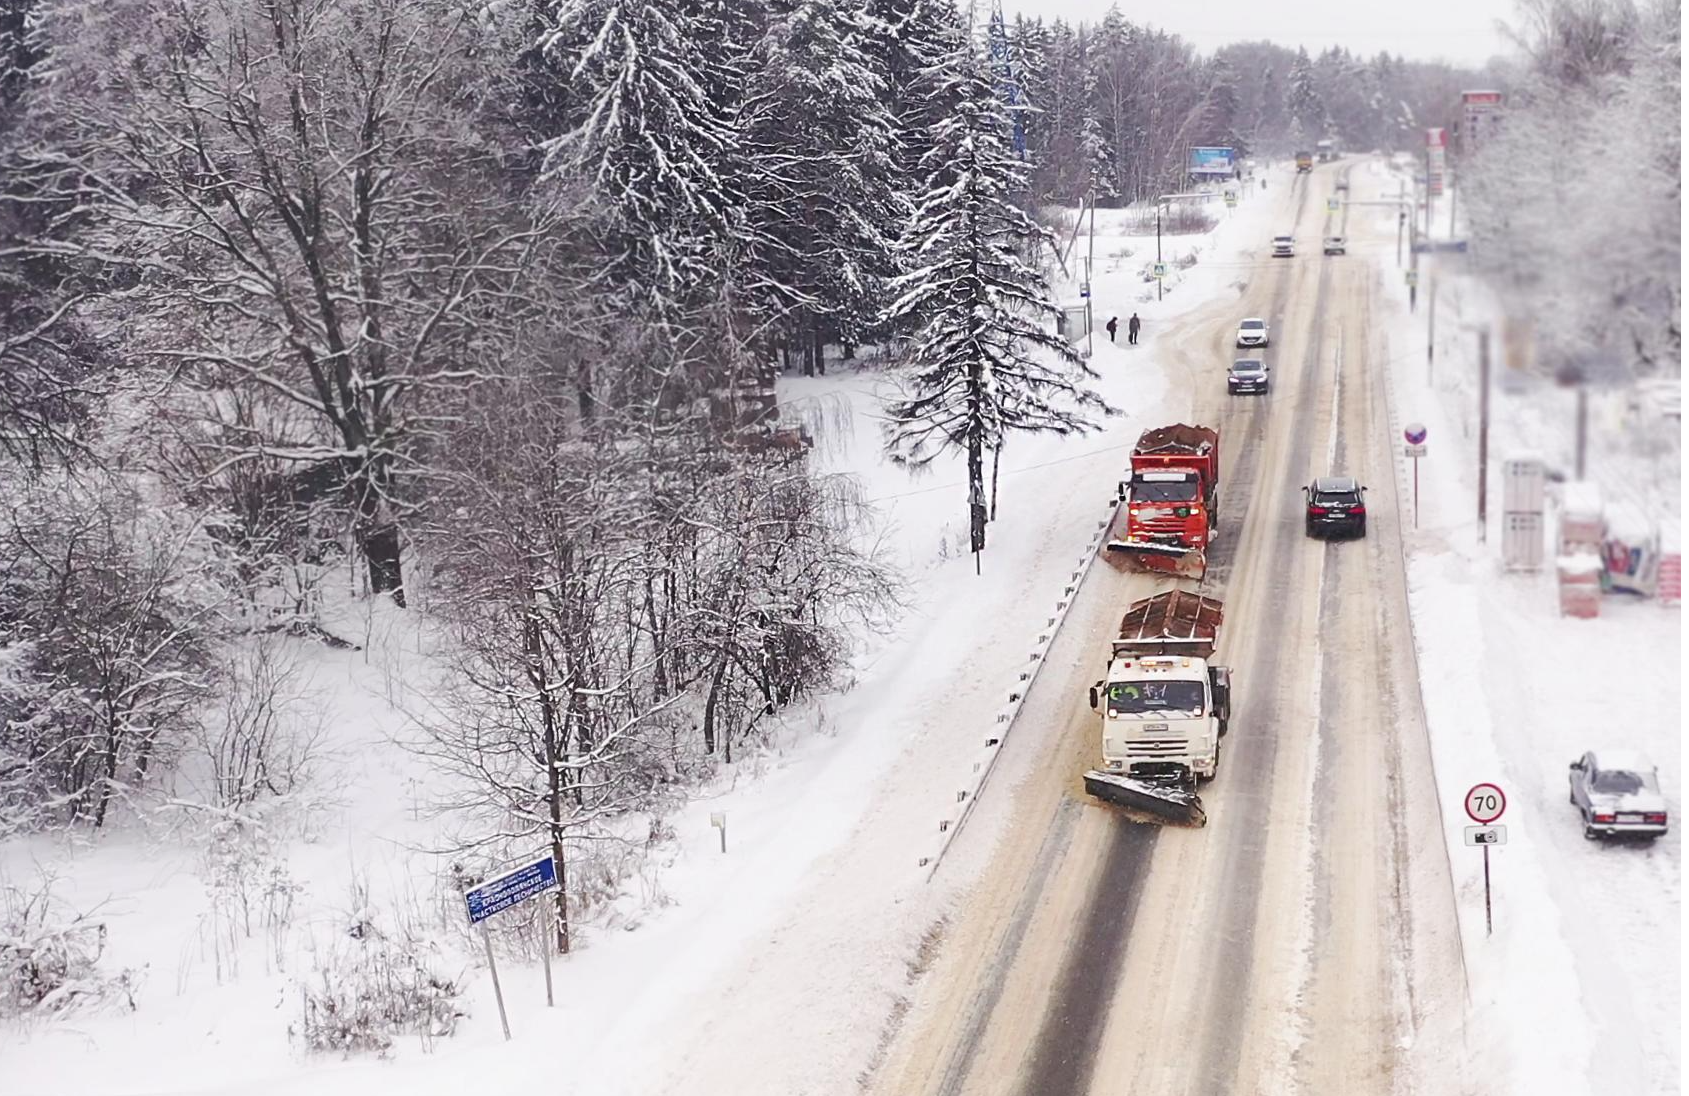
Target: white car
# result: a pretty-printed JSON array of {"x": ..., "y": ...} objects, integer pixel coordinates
[
  {"x": 1283, "y": 247},
  {"x": 1618, "y": 795},
  {"x": 1335, "y": 245},
  {"x": 1252, "y": 332}
]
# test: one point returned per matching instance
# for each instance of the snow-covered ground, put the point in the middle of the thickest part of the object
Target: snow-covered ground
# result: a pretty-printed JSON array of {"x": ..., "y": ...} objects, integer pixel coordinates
[
  {"x": 1578, "y": 989},
  {"x": 789, "y": 949},
  {"x": 794, "y": 947}
]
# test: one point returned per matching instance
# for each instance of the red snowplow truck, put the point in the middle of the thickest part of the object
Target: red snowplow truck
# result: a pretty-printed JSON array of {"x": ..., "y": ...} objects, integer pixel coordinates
[{"x": 1171, "y": 501}]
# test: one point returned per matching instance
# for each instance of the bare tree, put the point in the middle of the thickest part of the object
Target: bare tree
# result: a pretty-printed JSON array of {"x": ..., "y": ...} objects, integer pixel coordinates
[
  {"x": 106, "y": 615},
  {"x": 310, "y": 211}
]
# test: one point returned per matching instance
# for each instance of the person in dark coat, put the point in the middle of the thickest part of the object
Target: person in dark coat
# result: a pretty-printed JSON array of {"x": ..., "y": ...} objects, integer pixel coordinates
[
  {"x": 1132, "y": 326},
  {"x": 1113, "y": 326}
]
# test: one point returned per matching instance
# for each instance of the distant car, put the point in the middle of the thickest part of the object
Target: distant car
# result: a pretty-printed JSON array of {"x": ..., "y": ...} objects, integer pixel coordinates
[
  {"x": 1335, "y": 245},
  {"x": 1343, "y": 186},
  {"x": 1252, "y": 332},
  {"x": 1247, "y": 375},
  {"x": 1283, "y": 247},
  {"x": 1335, "y": 504},
  {"x": 1618, "y": 794}
]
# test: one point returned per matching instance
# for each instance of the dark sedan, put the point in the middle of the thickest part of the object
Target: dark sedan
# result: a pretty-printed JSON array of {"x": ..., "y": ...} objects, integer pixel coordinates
[
  {"x": 1336, "y": 504},
  {"x": 1247, "y": 375}
]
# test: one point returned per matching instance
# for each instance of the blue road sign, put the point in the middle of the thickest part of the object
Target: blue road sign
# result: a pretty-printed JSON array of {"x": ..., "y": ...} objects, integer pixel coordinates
[
  {"x": 1424, "y": 247},
  {"x": 519, "y": 885}
]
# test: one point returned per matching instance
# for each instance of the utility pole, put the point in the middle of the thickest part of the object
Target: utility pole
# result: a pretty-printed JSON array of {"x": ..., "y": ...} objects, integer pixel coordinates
[
  {"x": 1090, "y": 290},
  {"x": 1158, "y": 281},
  {"x": 1483, "y": 428},
  {"x": 1427, "y": 192},
  {"x": 1431, "y": 326},
  {"x": 1454, "y": 200},
  {"x": 1413, "y": 266},
  {"x": 1401, "y": 217},
  {"x": 1583, "y": 425}
]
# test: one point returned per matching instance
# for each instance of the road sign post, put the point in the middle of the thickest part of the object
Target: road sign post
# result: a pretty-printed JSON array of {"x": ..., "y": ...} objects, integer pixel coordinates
[
  {"x": 501, "y": 893},
  {"x": 1484, "y": 804},
  {"x": 1414, "y": 435}
]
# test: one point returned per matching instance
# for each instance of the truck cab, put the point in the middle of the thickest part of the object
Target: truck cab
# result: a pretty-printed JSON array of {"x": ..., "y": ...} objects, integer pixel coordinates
[
  {"x": 1163, "y": 717},
  {"x": 1164, "y": 705}
]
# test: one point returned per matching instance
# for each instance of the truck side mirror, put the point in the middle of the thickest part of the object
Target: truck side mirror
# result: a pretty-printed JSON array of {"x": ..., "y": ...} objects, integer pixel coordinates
[
  {"x": 1120, "y": 491},
  {"x": 1093, "y": 698}
]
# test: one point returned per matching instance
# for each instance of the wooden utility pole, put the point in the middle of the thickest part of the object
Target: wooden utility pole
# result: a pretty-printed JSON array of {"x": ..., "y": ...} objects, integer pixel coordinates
[{"x": 1483, "y": 429}]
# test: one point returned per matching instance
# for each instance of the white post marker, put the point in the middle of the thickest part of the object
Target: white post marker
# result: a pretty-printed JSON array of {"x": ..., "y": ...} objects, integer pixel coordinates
[
  {"x": 1414, "y": 435},
  {"x": 718, "y": 819},
  {"x": 1484, "y": 804}
]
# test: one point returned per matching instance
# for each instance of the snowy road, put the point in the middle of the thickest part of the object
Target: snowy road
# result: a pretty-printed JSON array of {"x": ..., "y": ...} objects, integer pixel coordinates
[{"x": 1303, "y": 941}]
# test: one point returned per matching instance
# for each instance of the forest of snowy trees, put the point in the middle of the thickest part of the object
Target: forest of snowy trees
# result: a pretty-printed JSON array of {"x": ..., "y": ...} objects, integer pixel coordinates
[
  {"x": 475, "y": 307},
  {"x": 1114, "y": 106},
  {"x": 470, "y": 305},
  {"x": 1576, "y": 208}
]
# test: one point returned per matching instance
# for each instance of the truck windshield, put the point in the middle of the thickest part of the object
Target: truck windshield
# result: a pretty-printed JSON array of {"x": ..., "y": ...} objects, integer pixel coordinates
[
  {"x": 1163, "y": 491},
  {"x": 1155, "y": 697}
]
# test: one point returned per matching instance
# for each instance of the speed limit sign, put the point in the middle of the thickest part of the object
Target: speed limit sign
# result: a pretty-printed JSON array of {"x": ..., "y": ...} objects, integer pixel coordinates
[{"x": 1484, "y": 803}]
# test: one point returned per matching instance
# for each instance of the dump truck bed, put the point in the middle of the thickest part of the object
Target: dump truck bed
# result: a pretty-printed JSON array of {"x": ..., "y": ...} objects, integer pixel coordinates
[
  {"x": 1176, "y": 622},
  {"x": 1179, "y": 445}
]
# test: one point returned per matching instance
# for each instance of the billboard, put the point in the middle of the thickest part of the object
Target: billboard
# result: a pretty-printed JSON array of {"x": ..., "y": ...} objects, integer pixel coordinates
[
  {"x": 1435, "y": 152},
  {"x": 1212, "y": 161},
  {"x": 1480, "y": 115}
]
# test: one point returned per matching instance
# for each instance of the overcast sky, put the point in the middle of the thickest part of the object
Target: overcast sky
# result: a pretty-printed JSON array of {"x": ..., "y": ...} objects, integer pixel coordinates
[{"x": 1460, "y": 31}]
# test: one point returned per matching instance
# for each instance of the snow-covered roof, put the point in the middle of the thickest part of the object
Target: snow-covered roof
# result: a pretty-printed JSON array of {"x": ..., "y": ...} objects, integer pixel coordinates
[
  {"x": 1584, "y": 563},
  {"x": 1629, "y": 760}
]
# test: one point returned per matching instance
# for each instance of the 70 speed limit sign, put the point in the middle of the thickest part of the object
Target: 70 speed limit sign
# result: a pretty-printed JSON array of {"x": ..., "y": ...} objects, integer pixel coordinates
[{"x": 1484, "y": 803}]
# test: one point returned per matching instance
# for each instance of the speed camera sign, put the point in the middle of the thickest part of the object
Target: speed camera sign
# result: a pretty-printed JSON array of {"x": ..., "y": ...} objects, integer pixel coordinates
[{"x": 1484, "y": 803}]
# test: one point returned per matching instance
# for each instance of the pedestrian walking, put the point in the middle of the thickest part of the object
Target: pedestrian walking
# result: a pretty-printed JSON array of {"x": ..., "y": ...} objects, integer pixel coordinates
[
  {"x": 1132, "y": 326},
  {"x": 1113, "y": 326}
]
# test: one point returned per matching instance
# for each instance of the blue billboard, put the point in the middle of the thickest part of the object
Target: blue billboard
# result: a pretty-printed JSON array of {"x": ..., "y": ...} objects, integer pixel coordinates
[{"x": 1212, "y": 161}]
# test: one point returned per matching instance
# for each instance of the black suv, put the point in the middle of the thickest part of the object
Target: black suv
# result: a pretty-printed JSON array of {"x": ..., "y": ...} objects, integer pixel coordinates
[{"x": 1335, "y": 504}]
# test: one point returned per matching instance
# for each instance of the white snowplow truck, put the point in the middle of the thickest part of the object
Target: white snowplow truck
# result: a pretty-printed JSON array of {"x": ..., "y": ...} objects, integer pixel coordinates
[{"x": 1164, "y": 708}]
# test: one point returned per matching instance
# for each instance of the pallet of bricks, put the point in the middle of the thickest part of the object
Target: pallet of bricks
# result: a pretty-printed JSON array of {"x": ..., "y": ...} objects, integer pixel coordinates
[
  {"x": 1578, "y": 553},
  {"x": 1671, "y": 578}
]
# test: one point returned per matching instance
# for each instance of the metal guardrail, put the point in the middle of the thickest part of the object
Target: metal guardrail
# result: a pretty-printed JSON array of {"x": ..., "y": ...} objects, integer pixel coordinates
[{"x": 966, "y": 798}]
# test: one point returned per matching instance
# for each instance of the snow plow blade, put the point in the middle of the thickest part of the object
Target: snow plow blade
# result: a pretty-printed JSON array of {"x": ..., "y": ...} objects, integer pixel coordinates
[
  {"x": 1171, "y": 559},
  {"x": 1162, "y": 803}
]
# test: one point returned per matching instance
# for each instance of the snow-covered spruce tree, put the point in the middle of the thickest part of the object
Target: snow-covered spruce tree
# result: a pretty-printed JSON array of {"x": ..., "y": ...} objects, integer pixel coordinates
[
  {"x": 1097, "y": 155},
  {"x": 907, "y": 40},
  {"x": 1302, "y": 100},
  {"x": 824, "y": 147},
  {"x": 650, "y": 137},
  {"x": 983, "y": 363}
]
